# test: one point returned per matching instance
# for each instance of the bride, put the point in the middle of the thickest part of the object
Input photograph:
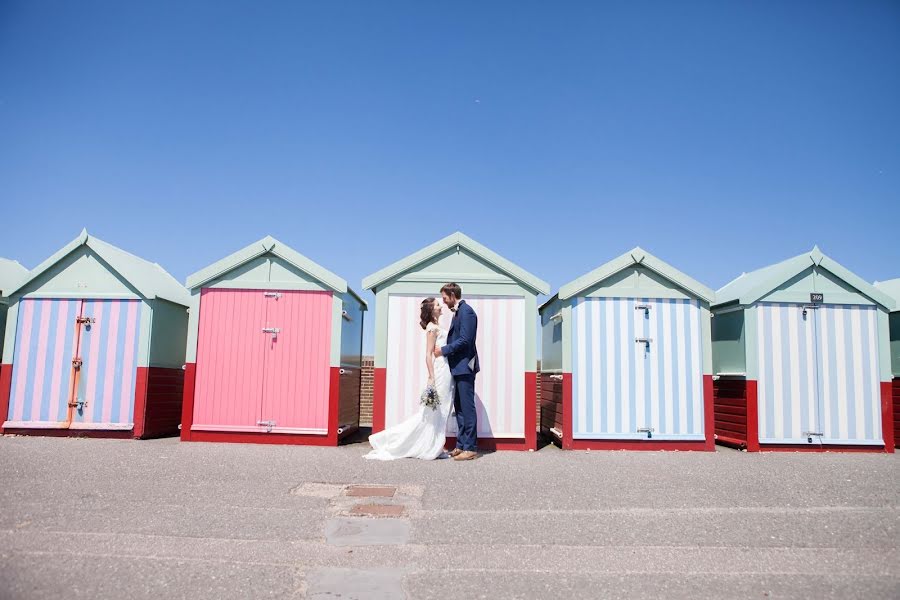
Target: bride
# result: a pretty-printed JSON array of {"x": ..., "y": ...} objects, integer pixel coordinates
[{"x": 423, "y": 434}]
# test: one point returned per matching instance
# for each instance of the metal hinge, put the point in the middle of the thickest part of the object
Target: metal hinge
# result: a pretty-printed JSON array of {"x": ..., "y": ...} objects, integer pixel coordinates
[
  {"x": 647, "y": 430},
  {"x": 273, "y": 330},
  {"x": 275, "y": 295},
  {"x": 269, "y": 425}
]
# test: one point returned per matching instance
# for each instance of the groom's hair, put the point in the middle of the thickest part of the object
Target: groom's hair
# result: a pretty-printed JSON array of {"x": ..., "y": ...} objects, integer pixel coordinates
[{"x": 452, "y": 289}]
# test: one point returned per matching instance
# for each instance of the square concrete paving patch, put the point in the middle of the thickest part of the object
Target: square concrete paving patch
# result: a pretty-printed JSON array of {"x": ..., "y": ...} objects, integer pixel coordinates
[
  {"x": 382, "y": 491},
  {"x": 355, "y": 584},
  {"x": 366, "y": 532},
  {"x": 377, "y": 510}
]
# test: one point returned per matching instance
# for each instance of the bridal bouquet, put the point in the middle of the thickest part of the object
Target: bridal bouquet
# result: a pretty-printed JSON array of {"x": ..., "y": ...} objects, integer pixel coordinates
[{"x": 430, "y": 397}]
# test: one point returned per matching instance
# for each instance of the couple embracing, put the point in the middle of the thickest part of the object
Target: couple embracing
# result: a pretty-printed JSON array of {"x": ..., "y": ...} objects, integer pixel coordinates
[{"x": 452, "y": 362}]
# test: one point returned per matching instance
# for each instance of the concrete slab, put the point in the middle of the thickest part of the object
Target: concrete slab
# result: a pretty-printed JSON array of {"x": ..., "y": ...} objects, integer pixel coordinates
[
  {"x": 366, "y": 532},
  {"x": 355, "y": 584}
]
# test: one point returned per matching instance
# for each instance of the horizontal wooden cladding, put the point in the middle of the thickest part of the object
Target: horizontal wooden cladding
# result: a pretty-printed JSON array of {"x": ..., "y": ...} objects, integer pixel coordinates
[
  {"x": 165, "y": 394},
  {"x": 895, "y": 394},
  {"x": 551, "y": 402},
  {"x": 730, "y": 408},
  {"x": 348, "y": 401}
]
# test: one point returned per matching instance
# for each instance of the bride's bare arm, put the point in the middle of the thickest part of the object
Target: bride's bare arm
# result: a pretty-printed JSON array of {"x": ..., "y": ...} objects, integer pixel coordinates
[{"x": 430, "y": 339}]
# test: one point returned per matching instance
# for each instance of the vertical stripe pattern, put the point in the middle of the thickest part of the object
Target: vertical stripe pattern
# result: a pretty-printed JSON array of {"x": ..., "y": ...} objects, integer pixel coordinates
[
  {"x": 45, "y": 347},
  {"x": 621, "y": 385},
  {"x": 109, "y": 353},
  {"x": 42, "y": 360},
  {"x": 818, "y": 374},
  {"x": 499, "y": 387}
]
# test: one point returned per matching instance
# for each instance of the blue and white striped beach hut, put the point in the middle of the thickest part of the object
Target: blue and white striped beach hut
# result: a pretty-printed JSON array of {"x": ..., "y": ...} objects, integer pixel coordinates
[
  {"x": 626, "y": 359},
  {"x": 801, "y": 353}
]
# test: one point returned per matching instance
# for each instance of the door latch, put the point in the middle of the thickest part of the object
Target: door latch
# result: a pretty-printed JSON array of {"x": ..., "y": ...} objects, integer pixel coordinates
[
  {"x": 78, "y": 403},
  {"x": 811, "y": 434},
  {"x": 647, "y": 430},
  {"x": 267, "y": 424},
  {"x": 275, "y": 295},
  {"x": 273, "y": 330},
  {"x": 645, "y": 341},
  {"x": 644, "y": 307},
  {"x": 85, "y": 320},
  {"x": 77, "y": 362}
]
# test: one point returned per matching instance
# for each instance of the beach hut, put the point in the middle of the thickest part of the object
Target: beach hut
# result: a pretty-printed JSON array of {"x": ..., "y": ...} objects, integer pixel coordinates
[
  {"x": 505, "y": 298},
  {"x": 892, "y": 288},
  {"x": 11, "y": 273},
  {"x": 801, "y": 357},
  {"x": 626, "y": 359},
  {"x": 274, "y": 350},
  {"x": 94, "y": 346}
]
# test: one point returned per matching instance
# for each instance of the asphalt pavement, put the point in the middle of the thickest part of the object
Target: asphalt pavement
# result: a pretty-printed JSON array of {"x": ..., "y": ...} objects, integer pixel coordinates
[{"x": 90, "y": 518}]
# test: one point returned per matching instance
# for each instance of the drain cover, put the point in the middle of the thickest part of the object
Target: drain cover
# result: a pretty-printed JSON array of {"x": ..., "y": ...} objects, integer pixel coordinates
[
  {"x": 381, "y": 491},
  {"x": 377, "y": 510}
]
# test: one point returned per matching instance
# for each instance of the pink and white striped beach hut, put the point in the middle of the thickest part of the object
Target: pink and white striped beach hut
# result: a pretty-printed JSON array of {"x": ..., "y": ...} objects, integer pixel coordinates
[
  {"x": 94, "y": 345},
  {"x": 504, "y": 297}
]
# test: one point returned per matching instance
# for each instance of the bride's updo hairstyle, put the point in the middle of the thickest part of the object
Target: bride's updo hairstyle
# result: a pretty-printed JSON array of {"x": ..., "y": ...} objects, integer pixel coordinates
[{"x": 426, "y": 316}]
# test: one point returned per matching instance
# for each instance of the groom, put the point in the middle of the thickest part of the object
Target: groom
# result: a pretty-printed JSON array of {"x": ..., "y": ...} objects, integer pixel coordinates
[{"x": 462, "y": 356}]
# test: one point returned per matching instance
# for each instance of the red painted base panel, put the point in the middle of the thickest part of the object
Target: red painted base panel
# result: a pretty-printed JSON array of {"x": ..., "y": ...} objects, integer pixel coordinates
[
  {"x": 824, "y": 448},
  {"x": 895, "y": 395},
  {"x": 260, "y": 438}
]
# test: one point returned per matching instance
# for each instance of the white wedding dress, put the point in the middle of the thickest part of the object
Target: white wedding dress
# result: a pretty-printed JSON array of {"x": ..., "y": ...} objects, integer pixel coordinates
[{"x": 423, "y": 434}]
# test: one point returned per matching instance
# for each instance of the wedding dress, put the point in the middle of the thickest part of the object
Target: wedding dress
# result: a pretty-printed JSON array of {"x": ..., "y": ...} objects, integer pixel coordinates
[{"x": 423, "y": 434}]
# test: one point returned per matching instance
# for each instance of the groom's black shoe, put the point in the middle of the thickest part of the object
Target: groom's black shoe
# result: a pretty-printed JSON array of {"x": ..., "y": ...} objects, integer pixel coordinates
[{"x": 455, "y": 452}]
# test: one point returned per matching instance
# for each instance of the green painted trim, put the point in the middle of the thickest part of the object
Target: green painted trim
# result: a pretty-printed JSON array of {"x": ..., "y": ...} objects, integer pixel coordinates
[
  {"x": 637, "y": 256},
  {"x": 267, "y": 245},
  {"x": 884, "y": 345},
  {"x": 381, "y": 323},
  {"x": 11, "y": 274},
  {"x": 92, "y": 295},
  {"x": 294, "y": 286},
  {"x": 530, "y": 325},
  {"x": 149, "y": 279},
  {"x": 458, "y": 239},
  {"x": 146, "y": 328},
  {"x": 190, "y": 354},
  {"x": 567, "y": 337},
  {"x": 750, "y": 338},
  {"x": 9, "y": 334},
  {"x": 706, "y": 337},
  {"x": 337, "y": 307}
]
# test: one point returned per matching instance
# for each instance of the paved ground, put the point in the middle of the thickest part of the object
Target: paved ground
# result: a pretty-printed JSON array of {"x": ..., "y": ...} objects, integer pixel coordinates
[{"x": 84, "y": 518}]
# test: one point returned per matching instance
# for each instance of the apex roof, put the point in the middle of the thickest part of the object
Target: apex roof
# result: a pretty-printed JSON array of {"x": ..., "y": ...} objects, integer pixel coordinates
[{"x": 461, "y": 240}]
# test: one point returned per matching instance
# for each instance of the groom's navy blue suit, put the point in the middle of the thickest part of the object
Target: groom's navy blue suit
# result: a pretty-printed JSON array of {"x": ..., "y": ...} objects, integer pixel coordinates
[{"x": 462, "y": 356}]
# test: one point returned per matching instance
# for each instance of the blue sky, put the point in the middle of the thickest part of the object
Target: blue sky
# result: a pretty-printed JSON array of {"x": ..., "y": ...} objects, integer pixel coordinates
[{"x": 721, "y": 136}]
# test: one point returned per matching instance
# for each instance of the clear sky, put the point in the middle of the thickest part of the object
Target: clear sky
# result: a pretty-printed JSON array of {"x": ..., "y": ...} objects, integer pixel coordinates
[{"x": 721, "y": 136}]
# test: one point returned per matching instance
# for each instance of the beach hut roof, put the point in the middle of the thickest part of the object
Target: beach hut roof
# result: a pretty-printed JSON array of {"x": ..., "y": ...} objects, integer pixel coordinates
[
  {"x": 11, "y": 273},
  {"x": 640, "y": 257},
  {"x": 269, "y": 245},
  {"x": 150, "y": 279},
  {"x": 751, "y": 287},
  {"x": 457, "y": 240},
  {"x": 891, "y": 287}
]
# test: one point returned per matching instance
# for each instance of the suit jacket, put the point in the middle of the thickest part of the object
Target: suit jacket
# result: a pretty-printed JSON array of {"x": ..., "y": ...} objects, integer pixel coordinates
[{"x": 461, "y": 353}]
